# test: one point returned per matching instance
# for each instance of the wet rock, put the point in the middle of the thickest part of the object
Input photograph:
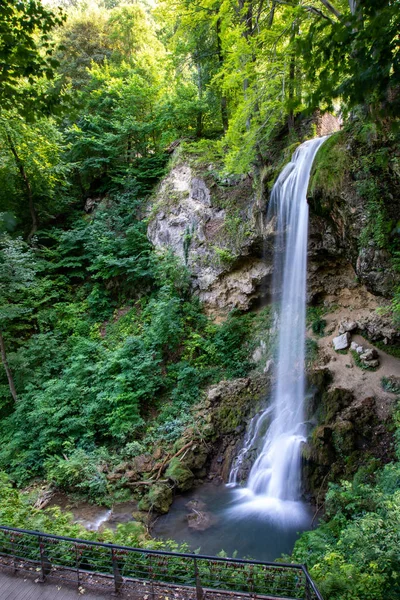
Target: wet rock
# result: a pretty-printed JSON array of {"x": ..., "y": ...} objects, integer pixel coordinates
[
  {"x": 341, "y": 342},
  {"x": 195, "y": 504},
  {"x": 200, "y": 520},
  {"x": 235, "y": 402},
  {"x": 268, "y": 366}
]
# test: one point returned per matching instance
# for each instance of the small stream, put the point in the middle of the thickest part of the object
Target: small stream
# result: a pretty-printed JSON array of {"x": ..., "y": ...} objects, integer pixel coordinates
[
  {"x": 261, "y": 535},
  {"x": 94, "y": 517}
]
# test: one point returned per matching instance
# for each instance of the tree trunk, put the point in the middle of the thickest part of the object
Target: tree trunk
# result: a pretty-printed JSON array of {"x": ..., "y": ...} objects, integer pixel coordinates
[
  {"x": 224, "y": 101},
  {"x": 292, "y": 77},
  {"x": 28, "y": 188},
  {"x": 199, "y": 119},
  {"x": 247, "y": 19},
  {"x": 7, "y": 369}
]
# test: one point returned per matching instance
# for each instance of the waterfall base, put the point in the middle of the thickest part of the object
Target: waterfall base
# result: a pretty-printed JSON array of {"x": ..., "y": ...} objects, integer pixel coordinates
[
  {"x": 242, "y": 525},
  {"x": 285, "y": 514}
]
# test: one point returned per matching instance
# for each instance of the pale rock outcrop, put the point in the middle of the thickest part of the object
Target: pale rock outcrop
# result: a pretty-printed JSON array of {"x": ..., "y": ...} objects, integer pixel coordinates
[
  {"x": 341, "y": 342},
  {"x": 190, "y": 218}
]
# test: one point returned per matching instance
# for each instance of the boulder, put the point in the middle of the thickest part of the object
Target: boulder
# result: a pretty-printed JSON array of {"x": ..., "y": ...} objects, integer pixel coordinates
[
  {"x": 374, "y": 364},
  {"x": 347, "y": 326},
  {"x": 379, "y": 327},
  {"x": 341, "y": 342},
  {"x": 356, "y": 347},
  {"x": 369, "y": 355},
  {"x": 159, "y": 498},
  {"x": 143, "y": 463},
  {"x": 200, "y": 520}
]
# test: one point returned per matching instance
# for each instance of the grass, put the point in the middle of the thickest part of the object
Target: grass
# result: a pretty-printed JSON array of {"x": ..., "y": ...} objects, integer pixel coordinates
[{"x": 389, "y": 349}]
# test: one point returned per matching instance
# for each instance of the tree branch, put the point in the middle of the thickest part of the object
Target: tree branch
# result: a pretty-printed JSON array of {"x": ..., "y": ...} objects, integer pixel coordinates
[
  {"x": 318, "y": 12},
  {"x": 331, "y": 8}
]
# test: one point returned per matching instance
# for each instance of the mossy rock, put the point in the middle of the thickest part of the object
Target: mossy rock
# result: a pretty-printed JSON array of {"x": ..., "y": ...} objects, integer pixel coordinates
[
  {"x": 333, "y": 402},
  {"x": 159, "y": 498},
  {"x": 330, "y": 166},
  {"x": 196, "y": 458},
  {"x": 344, "y": 437},
  {"x": 323, "y": 452},
  {"x": 180, "y": 475},
  {"x": 319, "y": 378}
]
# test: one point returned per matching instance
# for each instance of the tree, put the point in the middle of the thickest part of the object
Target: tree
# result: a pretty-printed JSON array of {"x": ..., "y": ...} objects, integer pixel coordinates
[
  {"x": 353, "y": 53},
  {"x": 26, "y": 48},
  {"x": 33, "y": 176},
  {"x": 17, "y": 273}
]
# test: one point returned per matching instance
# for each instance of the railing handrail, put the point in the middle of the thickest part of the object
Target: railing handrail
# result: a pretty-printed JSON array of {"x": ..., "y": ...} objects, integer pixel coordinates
[
  {"x": 148, "y": 551},
  {"x": 192, "y": 556}
]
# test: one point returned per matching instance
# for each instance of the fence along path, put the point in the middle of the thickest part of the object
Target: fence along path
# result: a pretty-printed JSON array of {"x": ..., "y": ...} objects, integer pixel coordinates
[{"x": 149, "y": 574}]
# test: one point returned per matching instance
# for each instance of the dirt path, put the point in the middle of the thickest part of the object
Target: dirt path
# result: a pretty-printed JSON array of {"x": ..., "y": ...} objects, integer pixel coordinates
[{"x": 346, "y": 374}]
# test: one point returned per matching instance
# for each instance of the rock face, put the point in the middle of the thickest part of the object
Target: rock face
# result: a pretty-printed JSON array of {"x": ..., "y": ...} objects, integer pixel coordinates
[
  {"x": 215, "y": 227},
  {"x": 343, "y": 251},
  {"x": 342, "y": 439},
  {"x": 231, "y": 405}
]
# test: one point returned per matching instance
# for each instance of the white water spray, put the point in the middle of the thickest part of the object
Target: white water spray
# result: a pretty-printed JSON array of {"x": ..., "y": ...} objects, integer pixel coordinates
[{"x": 274, "y": 479}]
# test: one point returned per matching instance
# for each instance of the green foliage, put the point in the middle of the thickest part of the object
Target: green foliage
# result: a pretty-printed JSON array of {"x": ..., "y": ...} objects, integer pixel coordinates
[
  {"x": 311, "y": 351},
  {"x": 26, "y": 50},
  {"x": 108, "y": 368},
  {"x": 329, "y": 167},
  {"x": 79, "y": 471},
  {"x": 353, "y": 554},
  {"x": 315, "y": 320},
  {"x": 354, "y": 56},
  {"x": 33, "y": 171}
]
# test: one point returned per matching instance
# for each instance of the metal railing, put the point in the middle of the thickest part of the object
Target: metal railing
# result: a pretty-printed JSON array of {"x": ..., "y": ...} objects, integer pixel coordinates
[{"x": 139, "y": 573}]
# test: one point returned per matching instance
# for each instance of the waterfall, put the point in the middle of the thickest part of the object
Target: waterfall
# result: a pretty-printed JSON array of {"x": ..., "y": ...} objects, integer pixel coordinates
[{"x": 275, "y": 476}]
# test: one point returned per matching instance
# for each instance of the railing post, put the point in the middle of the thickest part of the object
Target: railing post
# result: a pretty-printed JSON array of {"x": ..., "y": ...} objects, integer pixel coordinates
[
  {"x": 77, "y": 562},
  {"x": 307, "y": 586},
  {"x": 12, "y": 540},
  {"x": 199, "y": 589},
  {"x": 44, "y": 561},
  {"x": 118, "y": 579}
]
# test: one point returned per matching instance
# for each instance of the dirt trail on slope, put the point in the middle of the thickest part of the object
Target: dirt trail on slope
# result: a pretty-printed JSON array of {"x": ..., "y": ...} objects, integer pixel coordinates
[{"x": 352, "y": 306}]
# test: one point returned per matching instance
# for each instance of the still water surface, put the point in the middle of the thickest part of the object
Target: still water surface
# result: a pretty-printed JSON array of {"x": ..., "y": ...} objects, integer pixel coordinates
[{"x": 235, "y": 526}]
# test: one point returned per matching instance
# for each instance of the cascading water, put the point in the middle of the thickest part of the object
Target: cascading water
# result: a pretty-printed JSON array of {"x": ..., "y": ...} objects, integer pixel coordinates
[
  {"x": 263, "y": 519},
  {"x": 274, "y": 480}
]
